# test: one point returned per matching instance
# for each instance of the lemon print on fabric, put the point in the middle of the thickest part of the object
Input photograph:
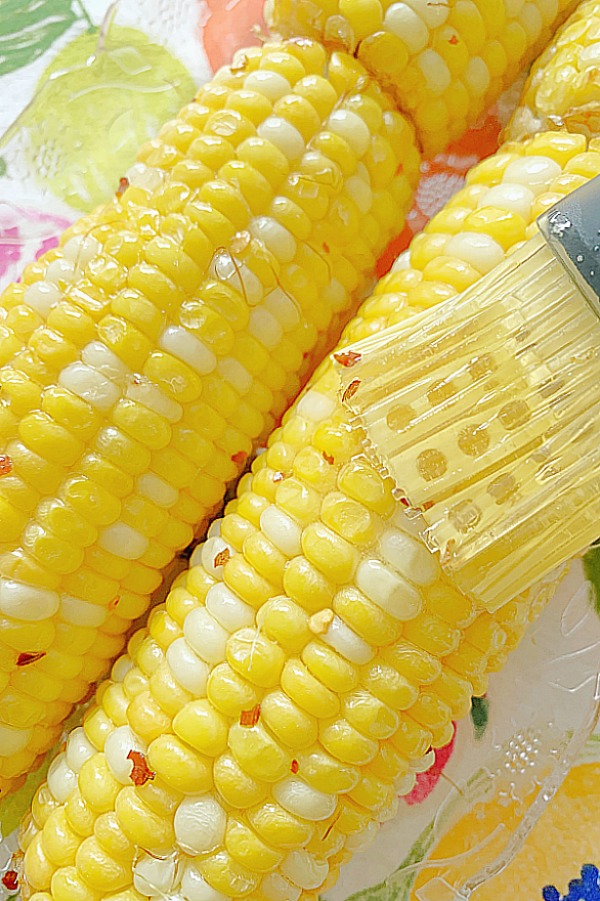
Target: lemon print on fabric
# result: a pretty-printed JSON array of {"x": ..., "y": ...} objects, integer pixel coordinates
[
  {"x": 100, "y": 98},
  {"x": 567, "y": 834}
]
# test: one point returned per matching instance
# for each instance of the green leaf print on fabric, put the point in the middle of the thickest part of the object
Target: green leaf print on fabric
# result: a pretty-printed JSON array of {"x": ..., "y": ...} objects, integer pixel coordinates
[
  {"x": 101, "y": 97},
  {"x": 29, "y": 27},
  {"x": 398, "y": 886},
  {"x": 591, "y": 565}
]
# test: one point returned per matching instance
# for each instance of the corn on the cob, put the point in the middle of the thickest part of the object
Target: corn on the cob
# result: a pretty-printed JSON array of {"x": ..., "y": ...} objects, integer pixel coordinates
[
  {"x": 563, "y": 90},
  {"x": 442, "y": 61},
  {"x": 141, "y": 360},
  {"x": 301, "y": 671}
]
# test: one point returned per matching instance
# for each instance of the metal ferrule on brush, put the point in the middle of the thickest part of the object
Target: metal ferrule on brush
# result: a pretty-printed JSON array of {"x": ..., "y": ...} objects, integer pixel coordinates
[{"x": 486, "y": 411}]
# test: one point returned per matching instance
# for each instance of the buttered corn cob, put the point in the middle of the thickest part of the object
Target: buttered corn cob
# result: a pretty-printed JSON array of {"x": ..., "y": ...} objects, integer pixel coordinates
[
  {"x": 442, "y": 61},
  {"x": 303, "y": 669},
  {"x": 141, "y": 360},
  {"x": 563, "y": 90}
]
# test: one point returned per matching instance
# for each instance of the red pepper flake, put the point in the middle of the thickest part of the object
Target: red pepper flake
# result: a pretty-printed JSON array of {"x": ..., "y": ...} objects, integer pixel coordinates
[
  {"x": 222, "y": 557},
  {"x": 400, "y": 169},
  {"x": 239, "y": 458},
  {"x": 123, "y": 185},
  {"x": 454, "y": 39},
  {"x": 114, "y": 603},
  {"x": 326, "y": 247},
  {"x": 5, "y": 465},
  {"x": 347, "y": 358},
  {"x": 351, "y": 390},
  {"x": 28, "y": 657},
  {"x": 10, "y": 880},
  {"x": 332, "y": 824},
  {"x": 295, "y": 766},
  {"x": 141, "y": 772},
  {"x": 328, "y": 458},
  {"x": 404, "y": 501},
  {"x": 250, "y": 717}
]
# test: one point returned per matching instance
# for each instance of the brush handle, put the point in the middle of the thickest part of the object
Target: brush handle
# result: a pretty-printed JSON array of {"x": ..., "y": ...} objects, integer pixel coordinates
[{"x": 572, "y": 230}]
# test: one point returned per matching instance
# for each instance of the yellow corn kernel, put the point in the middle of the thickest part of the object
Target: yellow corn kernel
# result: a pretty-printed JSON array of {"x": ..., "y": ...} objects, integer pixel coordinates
[{"x": 236, "y": 786}]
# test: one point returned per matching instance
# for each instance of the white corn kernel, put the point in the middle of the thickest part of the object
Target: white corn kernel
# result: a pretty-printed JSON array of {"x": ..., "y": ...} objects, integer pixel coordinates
[
  {"x": 409, "y": 557},
  {"x": 282, "y": 530},
  {"x": 188, "y": 669},
  {"x": 434, "y": 14},
  {"x": 512, "y": 198},
  {"x": 265, "y": 328},
  {"x": 123, "y": 541},
  {"x": 154, "y": 877},
  {"x": 228, "y": 609},
  {"x": 13, "y": 741},
  {"x": 98, "y": 356},
  {"x": 424, "y": 763},
  {"x": 61, "y": 779},
  {"x": 531, "y": 21},
  {"x": 283, "y": 135},
  {"x": 90, "y": 385},
  {"x": 239, "y": 276},
  {"x": 388, "y": 590},
  {"x": 157, "y": 490},
  {"x": 402, "y": 262},
  {"x": 535, "y": 172},
  {"x": 121, "y": 667},
  {"x": 276, "y": 887},
  {"x": 302, "y": 800},
  {"x": 362, "y": 840},
  {"x": 283, "y": 308},
  {"x": 405, "y": 784},
  {"x": 214, "y": 529},
  {"x": 408, "y": 25},
  {"x": 315, "y": 406},
  {"x": 183, "y": 345},
  {"x": 477, "y": 76},
  {"x": 78, "y": 749},
  {"x": 42, "y": 296},
  {"x": 275, "y": 237},
  {"x": 270, "y": 84},
  {"x": 334, "y": 296},
  {"x": 436, "y": 72},
  {"x": 304, "y": 869},
  {"x": 214, "y": 554},
  {"x": 479, "y": 250},
  {"x": 147, "y": 177},
  {"x": 81, "y": 250},
  {"x": 28, "y": 602},
  {"x": 237, "y": 375},
  {"x": 360, "y": 192},
  {"x": 82, "y": 613},
  {"x": 144, "y": 392},
  {"x": 199, "y": 824},
  {"x": 351, "y": 128},
  {"x": 589, "y": 57},
  {"x": 346, "y": 642},
  {"x": 60, "y": 270},
  {"x": 205, "y": 635},
  {"x": 121, "y": 742}
]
